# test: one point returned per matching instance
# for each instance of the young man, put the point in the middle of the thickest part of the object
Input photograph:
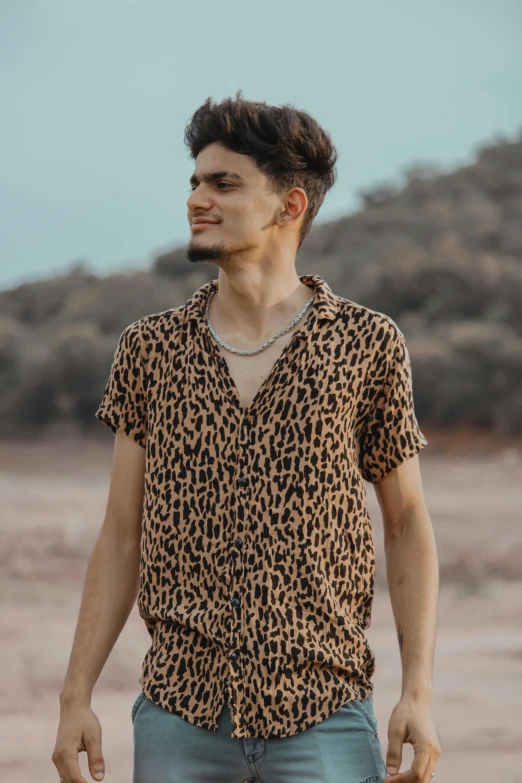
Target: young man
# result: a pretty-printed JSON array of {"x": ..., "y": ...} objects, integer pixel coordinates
[{"x": 245, "y": 422}]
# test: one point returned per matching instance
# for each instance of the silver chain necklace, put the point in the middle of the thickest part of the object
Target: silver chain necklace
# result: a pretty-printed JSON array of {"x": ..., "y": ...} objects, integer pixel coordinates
[{"x": 268, "y": 342}]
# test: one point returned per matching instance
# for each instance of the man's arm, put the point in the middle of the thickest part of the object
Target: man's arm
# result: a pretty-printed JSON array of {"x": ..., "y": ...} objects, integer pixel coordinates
[
  {"x": 109, "y": 593},
  {"x": 412, "y": 573},
  {"x": 413, "y": 581}
]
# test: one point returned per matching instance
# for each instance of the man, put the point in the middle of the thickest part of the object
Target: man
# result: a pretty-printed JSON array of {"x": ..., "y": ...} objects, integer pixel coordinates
[{"x": 245, "y": 422}]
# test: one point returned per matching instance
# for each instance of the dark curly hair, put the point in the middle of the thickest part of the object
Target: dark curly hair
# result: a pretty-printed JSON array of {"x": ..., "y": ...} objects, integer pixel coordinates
[{"x": 287, "y": 144}]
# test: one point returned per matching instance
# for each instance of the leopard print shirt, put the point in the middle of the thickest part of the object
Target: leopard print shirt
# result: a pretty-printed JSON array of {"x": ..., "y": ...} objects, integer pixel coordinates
[{"x": 257, "y": 556}]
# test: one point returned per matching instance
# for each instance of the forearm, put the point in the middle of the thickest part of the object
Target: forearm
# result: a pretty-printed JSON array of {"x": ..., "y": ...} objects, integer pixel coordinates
[
  {"x": 109, "y": 593},
  {"x": 413, "y": 581}
]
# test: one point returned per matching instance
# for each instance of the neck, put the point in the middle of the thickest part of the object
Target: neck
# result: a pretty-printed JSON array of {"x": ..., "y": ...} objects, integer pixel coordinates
[{"x": 256, "y": 305}]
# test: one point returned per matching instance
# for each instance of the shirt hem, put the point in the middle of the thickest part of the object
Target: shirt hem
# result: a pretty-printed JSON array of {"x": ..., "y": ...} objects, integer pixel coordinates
[{"x": 358, "y": 692}]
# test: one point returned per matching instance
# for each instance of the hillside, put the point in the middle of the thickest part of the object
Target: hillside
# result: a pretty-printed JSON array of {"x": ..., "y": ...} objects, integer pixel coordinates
[{"x": 441, "y": 253}]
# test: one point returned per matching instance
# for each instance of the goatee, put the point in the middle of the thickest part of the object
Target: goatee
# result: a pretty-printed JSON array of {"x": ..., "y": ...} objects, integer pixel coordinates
[{"x": 197, "y": 253}]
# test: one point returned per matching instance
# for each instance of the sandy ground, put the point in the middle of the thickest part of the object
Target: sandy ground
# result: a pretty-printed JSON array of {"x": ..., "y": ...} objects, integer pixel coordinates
[{"x": 53, "y": 498}]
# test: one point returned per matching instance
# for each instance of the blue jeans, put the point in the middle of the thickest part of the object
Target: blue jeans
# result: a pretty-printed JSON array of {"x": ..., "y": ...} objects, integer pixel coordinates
[{"x": 344, "y": 748}]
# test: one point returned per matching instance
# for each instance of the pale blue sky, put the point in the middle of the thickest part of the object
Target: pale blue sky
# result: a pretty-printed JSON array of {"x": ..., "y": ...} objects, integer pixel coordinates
[{"x": 96, "y": 94}]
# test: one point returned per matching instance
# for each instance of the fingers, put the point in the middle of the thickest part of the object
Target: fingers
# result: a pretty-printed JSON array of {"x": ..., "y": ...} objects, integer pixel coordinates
[
  {"x": 429, "y": 769},
  {"x": 420, "y": 772},
  {"x": 95, "y": 758},
  {"x": 65, "y": 755},
  {"x": 394, "y": 752},
  {"x": 67, "y": 765},
  {"x": 409, "y": 776}
]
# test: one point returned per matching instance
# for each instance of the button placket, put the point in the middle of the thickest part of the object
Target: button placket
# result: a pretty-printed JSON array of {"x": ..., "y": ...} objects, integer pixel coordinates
[
  {"x": 235, "y": 625},
  {"x": 242, "y": 484}
]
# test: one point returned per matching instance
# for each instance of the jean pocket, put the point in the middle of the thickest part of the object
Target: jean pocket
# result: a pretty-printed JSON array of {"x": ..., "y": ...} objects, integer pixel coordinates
[
  {"x": 135, "y": 707},
  {"x": 365, "y": 708}
]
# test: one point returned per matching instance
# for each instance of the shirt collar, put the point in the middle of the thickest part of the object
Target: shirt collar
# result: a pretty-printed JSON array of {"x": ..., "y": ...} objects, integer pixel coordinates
[{"x": 325, "y": 304}]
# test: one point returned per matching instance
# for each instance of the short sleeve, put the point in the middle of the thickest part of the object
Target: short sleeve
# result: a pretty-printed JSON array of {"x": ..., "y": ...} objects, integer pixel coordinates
[
  {"x": 124, "y": 403},
  {"x": 391, "y": 434}
]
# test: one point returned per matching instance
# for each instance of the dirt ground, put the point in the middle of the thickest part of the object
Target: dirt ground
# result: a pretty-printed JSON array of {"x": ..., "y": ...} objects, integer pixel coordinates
[{"x": 52, "y": 501}]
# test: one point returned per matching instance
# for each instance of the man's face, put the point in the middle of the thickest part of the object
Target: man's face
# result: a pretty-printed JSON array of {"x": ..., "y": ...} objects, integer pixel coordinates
[{"x": 239, "y": 199}]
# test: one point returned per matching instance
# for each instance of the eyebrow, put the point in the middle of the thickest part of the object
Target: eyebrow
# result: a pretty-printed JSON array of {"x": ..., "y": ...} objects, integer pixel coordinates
[{"x": 213, "y": 175}]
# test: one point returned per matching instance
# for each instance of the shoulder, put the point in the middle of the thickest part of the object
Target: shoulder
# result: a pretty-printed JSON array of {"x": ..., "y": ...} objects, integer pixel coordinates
[
  {"x": 147, "y": 334},
  {"x": 154, "y": 322},
  {"x": 373, "y": 327}
]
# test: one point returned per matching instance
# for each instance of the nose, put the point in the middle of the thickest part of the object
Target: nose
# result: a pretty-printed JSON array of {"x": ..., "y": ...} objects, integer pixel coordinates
[{"x": 198, "y": 201}]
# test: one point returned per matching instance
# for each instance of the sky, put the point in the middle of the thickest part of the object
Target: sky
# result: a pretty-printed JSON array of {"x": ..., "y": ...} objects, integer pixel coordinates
[{"x": 96, "y": 95}]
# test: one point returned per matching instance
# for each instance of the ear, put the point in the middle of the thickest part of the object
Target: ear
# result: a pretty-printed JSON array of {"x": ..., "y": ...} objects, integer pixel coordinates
[{"x": 296, "y": 203}]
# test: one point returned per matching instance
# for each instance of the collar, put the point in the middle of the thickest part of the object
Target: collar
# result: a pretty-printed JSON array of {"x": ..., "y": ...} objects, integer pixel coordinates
[{"x": 325, "y": 304}]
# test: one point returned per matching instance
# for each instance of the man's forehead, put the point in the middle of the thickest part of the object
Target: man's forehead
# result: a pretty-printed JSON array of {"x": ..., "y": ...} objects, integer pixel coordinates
[{"x": 216, "y": 159}]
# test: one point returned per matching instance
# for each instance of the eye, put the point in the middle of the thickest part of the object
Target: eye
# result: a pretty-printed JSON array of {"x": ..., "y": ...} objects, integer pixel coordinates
[{"x": 226, "y": 184}]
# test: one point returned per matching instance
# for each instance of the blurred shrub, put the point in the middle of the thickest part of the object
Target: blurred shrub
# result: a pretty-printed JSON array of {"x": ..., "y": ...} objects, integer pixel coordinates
[{"x": 441, "y": 254}]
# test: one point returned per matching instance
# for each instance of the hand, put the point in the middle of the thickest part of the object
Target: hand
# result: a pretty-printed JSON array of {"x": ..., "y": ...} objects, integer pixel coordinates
[
  {"x": 411, "y": 722},
  {"x": 79, "y": 730}
]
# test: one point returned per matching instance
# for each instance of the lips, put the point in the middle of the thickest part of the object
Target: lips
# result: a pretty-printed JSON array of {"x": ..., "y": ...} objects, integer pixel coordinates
[
  {"x": 198, "y": 226},
  {"x": 196, "y": 221}
]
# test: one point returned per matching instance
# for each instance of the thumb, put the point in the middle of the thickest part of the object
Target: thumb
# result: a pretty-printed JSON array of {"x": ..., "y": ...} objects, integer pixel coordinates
[
  {"x": 95, "y": 758},
  {"x": 394, "y": 754}
]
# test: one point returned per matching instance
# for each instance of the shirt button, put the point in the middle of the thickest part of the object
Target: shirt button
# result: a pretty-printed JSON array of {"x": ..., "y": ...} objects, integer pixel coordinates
[
  {"x": 234, "y": 601},
  {"x": 221, "y": 361},
  {"x": 242, "y": 482},
  {"x": 233, "y": 654},
  {"x": 238, "y": 542}
]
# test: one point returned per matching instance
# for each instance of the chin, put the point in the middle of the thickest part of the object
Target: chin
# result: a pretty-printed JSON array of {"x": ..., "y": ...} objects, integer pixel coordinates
[{"x": 201, "y": 252}]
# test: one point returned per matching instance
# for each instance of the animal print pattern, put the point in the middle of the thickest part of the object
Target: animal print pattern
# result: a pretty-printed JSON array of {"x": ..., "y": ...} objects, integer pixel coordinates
[{"x": 257, "y": 555}]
